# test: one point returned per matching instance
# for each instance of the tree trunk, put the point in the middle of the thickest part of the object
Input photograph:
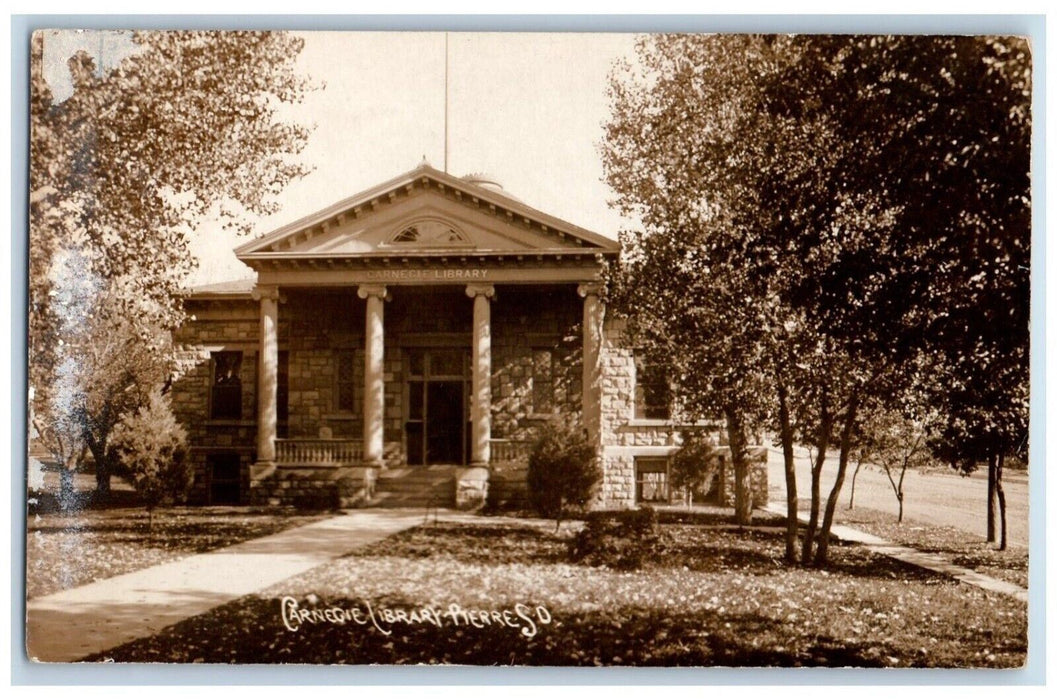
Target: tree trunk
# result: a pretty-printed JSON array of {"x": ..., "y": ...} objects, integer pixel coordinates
[
  {"x": 1001, "y": 502},
  {"x": 854, "y": 476},
  {"x": 740, "y": 462},
  {"x": 791, "y": 504},
  {"x": 825, "y": 426},
  {"x": 992, "y": 467},
  {"x": 101, "y": 457},
  {"x": 67, "y": 497},
  {"x": 102, "y": 479},
  {"x": 834, "y": 494},
  {"x": 721, "y": 487},
  {"x": 900, "y": 497}
]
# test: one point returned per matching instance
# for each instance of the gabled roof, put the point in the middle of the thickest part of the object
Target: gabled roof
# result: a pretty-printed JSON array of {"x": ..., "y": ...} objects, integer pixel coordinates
[
  {"x": 558, "y": 236},
  {"x": 223, "y": 290}
]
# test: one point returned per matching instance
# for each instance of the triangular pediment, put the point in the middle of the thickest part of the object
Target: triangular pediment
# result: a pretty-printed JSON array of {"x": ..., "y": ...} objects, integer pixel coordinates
[{"x": 426, "y": 212}]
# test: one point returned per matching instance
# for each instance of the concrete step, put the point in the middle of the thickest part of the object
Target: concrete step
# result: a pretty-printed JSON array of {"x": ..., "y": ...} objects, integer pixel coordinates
[
  {"x": 419, "y": 487},
  {"x": 389, "y": 499}
]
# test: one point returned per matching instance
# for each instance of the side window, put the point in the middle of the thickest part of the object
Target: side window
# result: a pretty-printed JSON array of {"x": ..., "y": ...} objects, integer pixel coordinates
[
  {"x": 651, "y": 480},
  {"x": 542, "y": 380},
  {"x": 653, "y": 396},
  {"x": 345, "y": 391},
  {"x": 226, "y": 392}
]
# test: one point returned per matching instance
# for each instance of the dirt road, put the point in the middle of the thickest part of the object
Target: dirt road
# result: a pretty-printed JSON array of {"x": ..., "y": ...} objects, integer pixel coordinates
[{"x": 941, "y": 498}]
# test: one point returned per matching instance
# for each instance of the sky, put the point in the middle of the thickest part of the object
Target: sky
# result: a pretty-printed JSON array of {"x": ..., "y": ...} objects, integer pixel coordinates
[{"x": 527, "y": 109}]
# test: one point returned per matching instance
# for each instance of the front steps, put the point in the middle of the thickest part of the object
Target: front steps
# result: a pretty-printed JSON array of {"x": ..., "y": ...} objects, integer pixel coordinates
[{"x": 415, "y": 487}]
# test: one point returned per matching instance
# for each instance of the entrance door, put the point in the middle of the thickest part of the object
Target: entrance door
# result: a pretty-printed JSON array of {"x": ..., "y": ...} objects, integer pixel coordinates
[
  {"x": 437, "y": 429},
  {"x": 444, "y": 422}
]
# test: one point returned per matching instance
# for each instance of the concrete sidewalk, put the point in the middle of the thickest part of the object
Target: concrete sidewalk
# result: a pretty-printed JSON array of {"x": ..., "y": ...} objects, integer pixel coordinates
[
  {"x": 926, "y": 560},
  {"x": 72, "y": 624}
]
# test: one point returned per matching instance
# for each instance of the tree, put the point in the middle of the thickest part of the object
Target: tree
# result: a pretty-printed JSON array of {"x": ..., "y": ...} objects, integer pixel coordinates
[
  {"x": 820, "y": 188},
  {"x": 563, "y": 469},
  {"x": 186, "y": 127},
  {"x": 108, "y": 362},
  {"x": 694, "y": 466},
  {"x": 896, "y": 441},
  {"x": 152, "y": 448}
]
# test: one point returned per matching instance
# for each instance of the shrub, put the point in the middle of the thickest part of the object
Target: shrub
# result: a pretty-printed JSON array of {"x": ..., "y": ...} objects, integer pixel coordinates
[
  {"x": 694, "y": 466},
  {"x": 318, "y": 499},
  {"x": 625, "y": 540},
  {"x": 562, "y": 470},
  {"x": 152, "y": 448}
]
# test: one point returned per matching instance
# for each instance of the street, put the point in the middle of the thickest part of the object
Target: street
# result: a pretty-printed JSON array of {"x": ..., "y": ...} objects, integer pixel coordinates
[{"x": 939, "y": 497}]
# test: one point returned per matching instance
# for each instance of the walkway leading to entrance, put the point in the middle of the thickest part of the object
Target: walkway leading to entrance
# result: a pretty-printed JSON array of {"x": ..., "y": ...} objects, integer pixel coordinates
[
  {"x": 926, "y": 560},
  {"x": 72, "y": 624}
]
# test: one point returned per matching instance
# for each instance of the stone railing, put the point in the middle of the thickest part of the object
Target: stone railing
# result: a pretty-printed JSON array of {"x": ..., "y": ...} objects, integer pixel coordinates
[
  {"x": 317, "y": 452},
  {"x": 510, "y": 450}
]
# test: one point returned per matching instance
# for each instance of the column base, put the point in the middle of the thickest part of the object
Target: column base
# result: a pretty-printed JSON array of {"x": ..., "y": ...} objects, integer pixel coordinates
[
  {"x": 471, "y": 487},
  {"x": 260, "y": 471}
]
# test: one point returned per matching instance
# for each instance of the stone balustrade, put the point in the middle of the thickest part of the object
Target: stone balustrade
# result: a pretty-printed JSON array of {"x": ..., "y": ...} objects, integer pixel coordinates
[
  {"x": 318, "y": 452},
  {"x": 510, "y": 451}
]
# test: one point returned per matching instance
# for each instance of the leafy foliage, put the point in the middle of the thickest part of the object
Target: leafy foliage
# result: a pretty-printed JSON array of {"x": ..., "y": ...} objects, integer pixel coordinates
[
  {"x": 694, "y": 466},
  {"x": 188, "y": 126},
  {"x": 897, "y": 443},
  {"x": 152, "y": 447},
  {"x": 625, "y": 540},
  {"x": 723, "y": 598},
  {"x": 818, "y": 213},
  {"x": 563, "y": 469}
]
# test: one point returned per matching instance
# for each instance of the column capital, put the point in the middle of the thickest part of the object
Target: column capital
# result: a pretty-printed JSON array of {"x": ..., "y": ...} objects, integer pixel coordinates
[
  {"x": 373, "y": 290},
  {"x": 587, "y": 289},
  {"x": 476, "y": 290},
  {"x": 268, "y": 291}
]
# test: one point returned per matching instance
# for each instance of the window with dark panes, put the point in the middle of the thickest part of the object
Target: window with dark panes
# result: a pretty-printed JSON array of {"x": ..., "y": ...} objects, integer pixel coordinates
[
  {"x": 346, "y": 387},
  {"x": 653, "y": 394},
  {"x": 226, "y": 392},
  {"x": 542, "y": 380}
]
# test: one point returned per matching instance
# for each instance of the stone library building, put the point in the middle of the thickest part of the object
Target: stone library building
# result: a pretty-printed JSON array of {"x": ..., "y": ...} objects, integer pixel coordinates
[{"x": 402, "y": 346}]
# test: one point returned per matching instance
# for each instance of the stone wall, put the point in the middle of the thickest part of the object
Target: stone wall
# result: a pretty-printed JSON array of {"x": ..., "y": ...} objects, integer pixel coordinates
[
  {"x": 532, "y": 327},
  {"x": 757, "y": 477},
  {"x": 529, "y": 327},
  {"x": 625, "y": 438},
  {"x": 216, "y": 325}
]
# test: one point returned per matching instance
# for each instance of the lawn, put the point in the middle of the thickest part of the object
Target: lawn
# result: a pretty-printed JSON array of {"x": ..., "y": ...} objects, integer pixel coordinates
[
  {"x": 65, "y": 550},
  {"x": 961, "y": 547},
  {"x": 498, "y": 593}
]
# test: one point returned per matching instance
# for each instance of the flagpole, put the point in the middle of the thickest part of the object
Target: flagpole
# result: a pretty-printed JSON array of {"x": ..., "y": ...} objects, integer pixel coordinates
[{"x": 445, "y": 102}]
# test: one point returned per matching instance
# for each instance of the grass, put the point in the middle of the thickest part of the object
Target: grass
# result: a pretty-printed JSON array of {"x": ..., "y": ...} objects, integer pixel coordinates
[
  {"x": 714, "y": 596},
  {"x": 963, "y": 548},
  {"x": 65, "y": 550}
]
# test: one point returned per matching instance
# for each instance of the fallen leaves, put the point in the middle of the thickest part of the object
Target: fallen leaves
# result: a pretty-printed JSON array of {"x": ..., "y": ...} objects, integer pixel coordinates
[{"x": 685, "y": 609}]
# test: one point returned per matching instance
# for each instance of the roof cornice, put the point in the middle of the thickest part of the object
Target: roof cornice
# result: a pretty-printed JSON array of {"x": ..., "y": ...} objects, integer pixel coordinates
[{"x": 427, "y": 173}]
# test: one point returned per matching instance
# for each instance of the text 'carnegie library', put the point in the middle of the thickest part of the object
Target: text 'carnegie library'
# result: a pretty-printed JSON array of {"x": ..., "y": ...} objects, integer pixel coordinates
[{"x": 450, "y": 274}]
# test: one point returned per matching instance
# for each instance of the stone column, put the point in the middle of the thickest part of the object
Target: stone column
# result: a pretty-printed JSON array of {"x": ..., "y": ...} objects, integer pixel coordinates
[
  {"x": 481, "y": 398},
  {"x": 594, "y": 313},
  {"x": 267, "y": 377},
  {"x": 374, "y": 374}
]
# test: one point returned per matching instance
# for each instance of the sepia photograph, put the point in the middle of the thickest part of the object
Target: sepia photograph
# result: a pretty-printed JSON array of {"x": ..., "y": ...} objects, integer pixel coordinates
[{"x": 528, "y": 349}]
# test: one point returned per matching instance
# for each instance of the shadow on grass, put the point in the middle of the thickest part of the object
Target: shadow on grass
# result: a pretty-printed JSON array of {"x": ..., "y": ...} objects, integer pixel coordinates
[
  {"x": 251, "y": 630},
  {"x": 473, "y": 544},
  {"x": 750, "y": 552}
]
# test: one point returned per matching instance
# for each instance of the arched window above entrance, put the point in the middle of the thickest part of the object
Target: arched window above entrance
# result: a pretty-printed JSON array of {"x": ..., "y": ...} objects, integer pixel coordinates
[{"x": 430, "y": 233}]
